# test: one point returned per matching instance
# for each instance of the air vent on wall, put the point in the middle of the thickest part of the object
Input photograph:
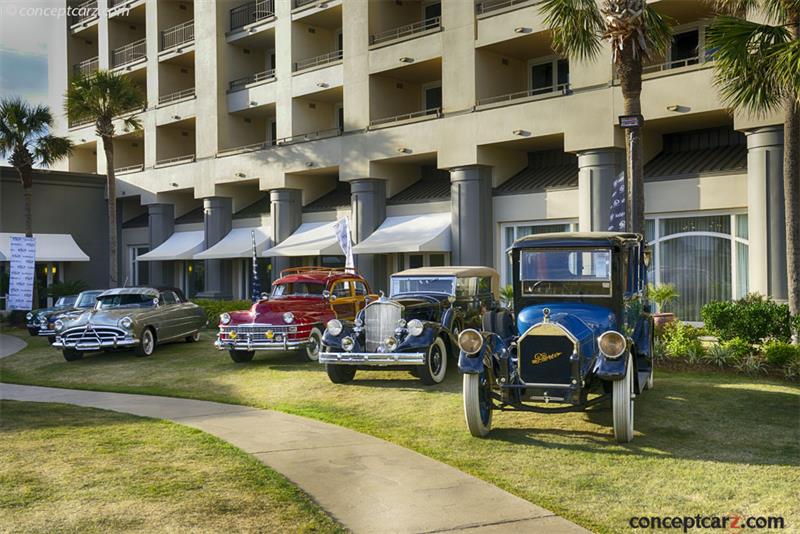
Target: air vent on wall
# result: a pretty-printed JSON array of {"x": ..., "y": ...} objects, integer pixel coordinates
[
  {"x": 505, "y": 61},
  {"x": 131, "y": 27},
  {"x": 185, "y": 134},
  {"x": 87, "y": 41},
  {"x": 399, "y": 85},
  {"x": 245, "y": 51},
  {"x": 184, "y": 71},
  {"x": 182, "y": 6},
  {"x": 312, "y": 105},
  {"x": 312, "y": 30},
  {"x": 247, "y": 120},
  {"x": 134, "y": 145}
]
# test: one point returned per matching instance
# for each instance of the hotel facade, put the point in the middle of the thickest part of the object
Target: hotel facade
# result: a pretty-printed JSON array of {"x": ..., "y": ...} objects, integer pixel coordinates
[{"x": 443, "y": 130}]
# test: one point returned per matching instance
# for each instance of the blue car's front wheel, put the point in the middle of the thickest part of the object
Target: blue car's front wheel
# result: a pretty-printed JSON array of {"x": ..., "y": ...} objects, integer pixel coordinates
[{"x": 477, "y": 404}]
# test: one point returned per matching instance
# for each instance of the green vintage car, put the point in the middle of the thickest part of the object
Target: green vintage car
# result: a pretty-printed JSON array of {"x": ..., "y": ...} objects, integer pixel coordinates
[{"x": 137, "y": 318}]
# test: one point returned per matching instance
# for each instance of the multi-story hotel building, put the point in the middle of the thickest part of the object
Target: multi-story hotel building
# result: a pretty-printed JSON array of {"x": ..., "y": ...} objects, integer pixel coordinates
[{"x": 444, "y": 130}]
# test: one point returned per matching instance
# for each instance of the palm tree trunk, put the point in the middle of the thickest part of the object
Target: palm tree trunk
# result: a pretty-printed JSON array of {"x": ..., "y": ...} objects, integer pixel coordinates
[
  {"x": 791, "y": 190},
  {"x": 629, "y": 71},
  {"x": 113, "y": 263}
]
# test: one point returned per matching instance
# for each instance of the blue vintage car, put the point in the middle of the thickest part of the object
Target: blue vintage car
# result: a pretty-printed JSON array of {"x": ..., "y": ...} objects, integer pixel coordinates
[{"x": 581, "y": 332}]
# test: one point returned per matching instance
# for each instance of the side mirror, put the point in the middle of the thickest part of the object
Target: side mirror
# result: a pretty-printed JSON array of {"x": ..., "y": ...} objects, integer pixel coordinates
[
  {"x": 155, "y": 302},
  {"x": 328, "y": 295},
  {"x": 264, "y": 295}
]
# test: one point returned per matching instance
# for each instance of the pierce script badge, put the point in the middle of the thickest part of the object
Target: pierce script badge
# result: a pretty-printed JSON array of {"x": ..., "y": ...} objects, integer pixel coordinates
[{"x": 541, "y": 357}]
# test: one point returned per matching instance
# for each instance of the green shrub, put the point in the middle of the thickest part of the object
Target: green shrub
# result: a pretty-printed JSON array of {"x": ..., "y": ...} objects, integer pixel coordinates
[
  {"x": 792, "y": 370},
  {"x": 63, "y": 289},
  {"x": 681, "y": 340},
  {"x": 719, "y": 356},
  {"x": 214, "y": 308},
  {"x": 779, "y": 353},
  {"x": 663, "y": 295},
  {"x": 751, "y": 318},
  {"x": 738, "y": 348},
  {"x": 752, "y": 364}
]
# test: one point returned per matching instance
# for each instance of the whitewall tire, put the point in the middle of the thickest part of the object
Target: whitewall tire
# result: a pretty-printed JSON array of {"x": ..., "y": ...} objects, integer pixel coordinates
[
  {"x": 477, "y": 407},
  {"x": 434, "y": 369},
  {"x": 147, "y": 343},
  {"x": 622, "y": 405},
  {"x": 314, "y": 345}
]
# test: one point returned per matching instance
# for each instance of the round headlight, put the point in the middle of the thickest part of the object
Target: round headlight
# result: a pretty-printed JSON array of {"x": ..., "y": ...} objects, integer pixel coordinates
[
  {"x": 391, "y": 343},
  {"x": 414, "y": 327},
  {"x": 126, "y": 322},
  {"x": 348, "y": 343},
  {"x": 42, "y": 320},
  {"x": 288, "y": 317},
  {"x": 334, "y": 327},
  {"x": 29, "y": 316},
  {"x": 225, "y": 318},
  {"x": 612, "y": 344},
  {"x": 470, "y": 341},
  {"x": 401, "y": 323},
  {"x": 59, "y": 324}
]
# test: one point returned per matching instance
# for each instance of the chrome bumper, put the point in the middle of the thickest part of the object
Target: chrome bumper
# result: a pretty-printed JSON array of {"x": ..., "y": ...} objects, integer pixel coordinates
[
  {"x": 96, "y": 345},
  {"x": 247, "y": 344},
  {"x": 373, "y": 358},
  {"x": 46, "y": 332}
]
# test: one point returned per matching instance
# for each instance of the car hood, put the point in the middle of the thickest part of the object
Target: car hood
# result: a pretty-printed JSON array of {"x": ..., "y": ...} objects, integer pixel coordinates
[
  {"x": 584, "y": 321},
  {"x": 108, "y": 317},
  {"x": 305, "y": 310}
]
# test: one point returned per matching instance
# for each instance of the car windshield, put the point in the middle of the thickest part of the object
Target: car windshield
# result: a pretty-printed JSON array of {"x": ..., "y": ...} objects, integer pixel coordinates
[
  {"x": 125, "y": 300},
  {"x": 573, "y": 272},
  {"x": 423, "y": 284},
  {"x": 86, "y": 300},
  {"x": 65, "y": 302},
  {"x": 298, "y": 289}
]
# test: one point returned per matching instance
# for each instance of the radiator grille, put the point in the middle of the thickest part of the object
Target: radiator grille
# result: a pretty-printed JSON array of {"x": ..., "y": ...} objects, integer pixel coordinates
[
  {"x": 93, "y": 334},
  {"x": 380, "y": 321},
  {"x": 545, "y": 359}
]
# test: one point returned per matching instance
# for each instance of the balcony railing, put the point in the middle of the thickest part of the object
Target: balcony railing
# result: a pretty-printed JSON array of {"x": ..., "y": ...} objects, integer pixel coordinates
[
  {"x": 309, "y": 136},
  {"x": 676, "y": 64},
  {"x": 83, "y": 12},
  {"x": 175, "y": 96},
  {"x": 405, "y": 31},
  {"x": 177, "y": 35},
  {"x": 433, "y": 112},
  {"x": 87, "y": 67},
  {"x": 129, "y": 53},
  {"x": 559, "y": 90},
  {"x": 241, "y": 83},
  {"x": 115, "y": 3},
  {"x": 253, "y": 147},
  {"x": 324, "y": 59},
  {"x": 81, "y": 123},
  {"x": 251, "y": 12},
  {"x": 129, "y": 168},
  {"x": 493, "y": 5},
  {"x": 303, "y": 3},
  {"x": 177, "y": 160}
]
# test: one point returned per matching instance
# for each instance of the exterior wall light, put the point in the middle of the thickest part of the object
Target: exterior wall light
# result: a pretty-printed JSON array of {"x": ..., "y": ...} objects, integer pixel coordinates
[
  {"x": 309, "y": 163},
  {"x": 522, "y": 29},
  {"x": 406, "y": 59},
  {"x": 253, "y": 103},
  {"x": 404, "y": 150},
  {"x": 322, "y": 84},
  {"x": 176, "y": 117},
  {"x": 524, "y": 133},
  {"x": 174, "y": 184},
  {"x": 240, "y": 174},
  {"x": 673, "y": 107}
]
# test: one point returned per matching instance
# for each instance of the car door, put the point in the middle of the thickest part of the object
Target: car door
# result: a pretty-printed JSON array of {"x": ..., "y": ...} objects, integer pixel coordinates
[
  {"x": 168, "y": 321},
  {"x": 185, "y": 318},
  {"x": 344, "y": 303}
]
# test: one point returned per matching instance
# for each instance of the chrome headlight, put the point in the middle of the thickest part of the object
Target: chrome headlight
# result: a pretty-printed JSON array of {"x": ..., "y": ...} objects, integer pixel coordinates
[
  {"x": 29, "y": 316},
  {"x": 288, "y": 317},
  {"x": 470, "y": 341},
  {"x": 125, "y": 322},
  {"x": 225, "y": 318},
  {"x": 391, "y": 343},
  {"x": 59, "y": 325},
  {"x": 612, "y": 344},
  {"x": 401, "y": 323},
  {"x": 348, "y": 343},
  {"x": 415, "y": 327},
  {"x": 334, "y": 327}
]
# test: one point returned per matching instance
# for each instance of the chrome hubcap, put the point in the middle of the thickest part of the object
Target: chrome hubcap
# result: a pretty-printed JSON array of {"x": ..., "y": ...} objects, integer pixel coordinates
[{"x": 148, "y": 342}]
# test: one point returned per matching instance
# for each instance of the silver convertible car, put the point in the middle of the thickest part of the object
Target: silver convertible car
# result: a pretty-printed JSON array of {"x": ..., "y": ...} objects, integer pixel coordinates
[{"x": 137, "y": 318}]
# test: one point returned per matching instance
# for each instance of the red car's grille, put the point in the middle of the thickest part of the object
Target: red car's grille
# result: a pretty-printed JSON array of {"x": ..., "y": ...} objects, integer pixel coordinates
[{"x": 259, "y": 332}]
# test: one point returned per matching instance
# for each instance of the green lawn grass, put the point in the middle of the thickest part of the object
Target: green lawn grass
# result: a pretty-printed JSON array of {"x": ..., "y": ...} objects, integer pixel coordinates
[
  {"x": 705, "y": 443},
  {"x": 71, "y": 469}
]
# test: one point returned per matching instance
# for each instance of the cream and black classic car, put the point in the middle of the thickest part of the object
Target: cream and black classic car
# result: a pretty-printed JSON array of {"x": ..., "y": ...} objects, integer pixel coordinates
[{"x": 137, "y": 318}]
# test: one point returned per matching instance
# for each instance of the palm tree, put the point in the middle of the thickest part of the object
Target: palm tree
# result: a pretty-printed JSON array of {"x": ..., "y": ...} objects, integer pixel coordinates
[
  {"x": 636, "y": 32},
  {"x": 101, "y": 98},
  {"x": 757, "y": 70},
  {"x": 26, "y": 141}
]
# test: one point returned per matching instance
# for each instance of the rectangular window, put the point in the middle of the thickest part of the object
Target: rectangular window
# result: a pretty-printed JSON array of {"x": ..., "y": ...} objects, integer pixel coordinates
[
  {"x": 433, "y": 97},
  {"x": 436, "y": 260},
  {"x": 684, "y": 50},
  {"x": 566, "y": 272},
  {"x": 513, "y": 232},
  {"x": 542, "y": 78},
  {"x": 138, "y": 272}
]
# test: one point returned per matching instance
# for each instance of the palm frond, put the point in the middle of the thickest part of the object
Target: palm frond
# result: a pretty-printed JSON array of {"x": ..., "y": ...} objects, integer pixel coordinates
[
  {"x": 49, "y": 148},
  {"x": 744, "y": 70},
  {"x": 785, "y": 62},
  {"x": 657, "y": 33},
  {"x": 734, "y": 7},
  {"x": 102, "y": 96},
  {"x": 25, "y": 137},
  {"x": 577, "y": 27},
  {"x": 132, "y": 123}
]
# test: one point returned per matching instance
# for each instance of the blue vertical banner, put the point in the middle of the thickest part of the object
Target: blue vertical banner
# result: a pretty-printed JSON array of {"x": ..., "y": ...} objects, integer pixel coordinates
[
  {"x": 255, "y": 283},
  {"x": 616, "y": 217},
  {"x": 342, "y": 229},
  {"x": 23, "y": 275}
]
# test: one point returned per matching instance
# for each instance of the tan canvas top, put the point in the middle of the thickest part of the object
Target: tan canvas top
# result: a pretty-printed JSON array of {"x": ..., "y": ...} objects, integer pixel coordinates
[{"x": 462, "y": 271}]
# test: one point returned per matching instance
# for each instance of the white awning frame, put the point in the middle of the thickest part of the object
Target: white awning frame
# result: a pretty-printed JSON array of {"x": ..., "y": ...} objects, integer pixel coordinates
[
  {"x": 179, "y": 246},
  {"x": 428, "y": 232},
  {"x": 49, "y": 248},
  {"x": 310, "y": 239},
  {"x": 238, "y": 243}
]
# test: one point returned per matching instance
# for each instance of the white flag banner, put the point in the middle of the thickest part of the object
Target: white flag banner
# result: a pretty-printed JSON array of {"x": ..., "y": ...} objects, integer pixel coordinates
[
  {"x": 23, "y": 272},
  {"x": 342, "y": 229}
]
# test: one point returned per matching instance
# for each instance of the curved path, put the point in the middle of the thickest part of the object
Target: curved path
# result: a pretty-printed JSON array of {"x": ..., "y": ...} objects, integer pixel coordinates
[{"x": 367, "y": 484}]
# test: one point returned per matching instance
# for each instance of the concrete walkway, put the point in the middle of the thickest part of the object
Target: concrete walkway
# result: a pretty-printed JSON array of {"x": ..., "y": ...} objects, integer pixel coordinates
[
  {"x": 10, "y": 345},
  {"x": 367, "y": 484}
]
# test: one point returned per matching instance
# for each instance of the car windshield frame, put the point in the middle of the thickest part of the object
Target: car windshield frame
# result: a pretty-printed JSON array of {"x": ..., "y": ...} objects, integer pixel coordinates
[
  {"x": 278, "y": 289},
  {"x": 66, "y": 301},
  {"x": 125, "y": 301},
  {"x": 80, "y": 301},
  {"x": 397, "y": 279},
  {"x": 596, "y": 284}
]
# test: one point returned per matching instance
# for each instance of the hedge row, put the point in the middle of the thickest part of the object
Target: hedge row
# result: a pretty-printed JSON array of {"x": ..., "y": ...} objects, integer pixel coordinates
[{"x": 214, "y": 308}]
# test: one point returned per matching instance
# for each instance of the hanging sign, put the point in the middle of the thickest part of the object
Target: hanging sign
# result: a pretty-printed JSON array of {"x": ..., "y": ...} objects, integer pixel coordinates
[{"x": 23, "y": 273}]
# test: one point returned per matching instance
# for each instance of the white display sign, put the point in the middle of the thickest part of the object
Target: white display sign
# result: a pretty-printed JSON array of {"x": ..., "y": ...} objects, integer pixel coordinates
[
  {"x": 342, "y": 229},
  {"x": 23, "y": 272}
]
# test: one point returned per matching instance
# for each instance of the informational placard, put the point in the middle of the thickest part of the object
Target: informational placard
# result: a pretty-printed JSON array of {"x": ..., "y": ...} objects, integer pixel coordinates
[{"x": 23, "y": 272}]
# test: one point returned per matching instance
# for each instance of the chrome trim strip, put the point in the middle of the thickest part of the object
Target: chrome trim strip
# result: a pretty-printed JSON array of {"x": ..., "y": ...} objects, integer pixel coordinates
[{"x": 378, "y": 358}]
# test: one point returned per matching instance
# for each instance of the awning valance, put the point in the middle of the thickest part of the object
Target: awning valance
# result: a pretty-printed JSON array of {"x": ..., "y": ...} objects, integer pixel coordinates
[
  {"x": 310, "y": 239},
  {"x": 409, "y": 233},
  {"x": 179, "y": 246},
  {"x": 49, "y": 248},
  {"x": 237, "y": 244}
]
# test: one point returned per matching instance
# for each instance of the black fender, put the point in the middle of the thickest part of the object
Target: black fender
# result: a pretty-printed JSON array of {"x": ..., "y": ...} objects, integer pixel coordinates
[
  {"x": 612, "y": 369},
  {"x": 493, "y": 346}
]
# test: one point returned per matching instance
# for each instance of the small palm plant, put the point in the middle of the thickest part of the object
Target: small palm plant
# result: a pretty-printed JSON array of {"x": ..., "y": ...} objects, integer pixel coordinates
[
  {"x": 507, "y": 295},
  {"x": 663, "y": 295},
  {"x": 101, "y": 98},
  {"x": 26, "y": 142}
]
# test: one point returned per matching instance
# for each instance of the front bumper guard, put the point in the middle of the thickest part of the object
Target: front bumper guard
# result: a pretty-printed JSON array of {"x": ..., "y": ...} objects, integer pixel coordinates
[
  {"x": 245, "y": 343},
  {"x": 373, "y": 358},
  {"x": 85, "y": 345}
]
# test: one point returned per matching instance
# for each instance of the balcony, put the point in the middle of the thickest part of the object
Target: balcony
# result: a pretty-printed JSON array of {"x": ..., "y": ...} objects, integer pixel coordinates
[
  {"x": 406, "y": 31},
  {"x": 309, "y": 136},
  {"x": 175, "y": 160},
  {"x": 524, "y": 96},
  {"x": 80, "y": 124},
  {"x": 251, "y": 13},
  {"x": 663, "y": 68},
  {"x": 83, "y": 13},
  {"x": 493, "y": 7},
  {"x": 414, "y": 116},
  {"x": 177, "y": 36},
  {"x": 85, "y": 68},
  {"x": 128, "y": 169},
  {"x": 254, "y": 147},
  {"x": 253, "y": 79},
  {"x": 318, "y": 61},
  {"x": 176, "y": 96},
  {"x": 128, "y": 54}
]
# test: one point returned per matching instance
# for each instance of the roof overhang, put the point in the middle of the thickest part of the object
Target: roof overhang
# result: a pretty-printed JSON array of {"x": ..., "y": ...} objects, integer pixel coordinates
[
  {"x": 409, "y": 233},
  {"x": 237, "y": 244},
  {"x": 179, "y": 246},
  {"x": 310, "y": 239},
  {"x": 49, "y": 248}
]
